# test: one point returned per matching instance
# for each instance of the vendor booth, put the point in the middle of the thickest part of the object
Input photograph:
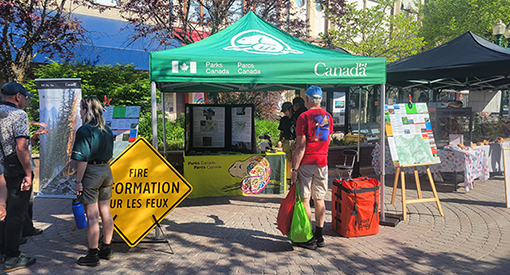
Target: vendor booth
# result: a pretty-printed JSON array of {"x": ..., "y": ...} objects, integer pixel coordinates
[
  {"x": 252, "y": 55},
  {"x": 467, "y": 62},
  {"x": 470, "y": 63}
]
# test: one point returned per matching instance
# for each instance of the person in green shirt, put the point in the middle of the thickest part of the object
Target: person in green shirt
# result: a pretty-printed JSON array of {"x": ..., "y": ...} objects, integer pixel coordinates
[{"x": 93, "y": 149}]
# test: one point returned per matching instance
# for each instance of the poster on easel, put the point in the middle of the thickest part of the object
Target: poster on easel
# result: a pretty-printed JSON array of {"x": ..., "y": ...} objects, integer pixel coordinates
[
  {"x": 409, "y": 134},
  {"x": 123, "y": 121}
]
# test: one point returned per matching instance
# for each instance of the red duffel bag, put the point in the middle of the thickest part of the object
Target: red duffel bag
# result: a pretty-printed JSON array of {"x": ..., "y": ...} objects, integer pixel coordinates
[
  {"x": 286, "y": 211},
  {"x": 355, "y": 207}
]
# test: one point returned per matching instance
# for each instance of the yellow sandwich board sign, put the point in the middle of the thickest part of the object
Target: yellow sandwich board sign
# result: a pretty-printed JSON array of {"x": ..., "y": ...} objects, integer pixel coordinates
[{"x": 145, "y": 189}]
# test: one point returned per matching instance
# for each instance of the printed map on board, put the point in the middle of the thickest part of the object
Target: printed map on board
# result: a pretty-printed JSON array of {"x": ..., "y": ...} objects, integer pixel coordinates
[{"x": 409, "y": 134}]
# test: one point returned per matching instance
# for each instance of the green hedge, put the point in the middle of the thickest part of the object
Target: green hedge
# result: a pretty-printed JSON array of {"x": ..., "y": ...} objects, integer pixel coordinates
[{"x": 174, "y": 131}]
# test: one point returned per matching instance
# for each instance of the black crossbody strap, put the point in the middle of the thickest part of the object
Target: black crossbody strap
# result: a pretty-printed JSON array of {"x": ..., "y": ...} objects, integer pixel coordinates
[{"x": 2, "y": 147}]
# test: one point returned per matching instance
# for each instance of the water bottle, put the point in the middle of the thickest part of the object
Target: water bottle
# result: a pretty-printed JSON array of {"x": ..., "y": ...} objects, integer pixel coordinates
[{"x": 79, "y": 214}]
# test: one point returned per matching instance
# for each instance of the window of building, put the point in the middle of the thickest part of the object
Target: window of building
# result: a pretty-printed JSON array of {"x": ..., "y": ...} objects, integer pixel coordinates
[
  {"x": 318, "y": 6},
  {"x": 300, "y": 3},
  {"x": 197, "y": 11}
]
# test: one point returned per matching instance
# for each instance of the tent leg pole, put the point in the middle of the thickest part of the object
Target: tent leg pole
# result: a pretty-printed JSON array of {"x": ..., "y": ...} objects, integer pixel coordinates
[
  {"x": 154, "y": 116},
  {"x": 383, "y": 149},
  {"x": 383, "y": 219},
  {"x": 359, "y": 121},
  {"x": 154, "y": 108},
  {"x": 164, "y": 123}
]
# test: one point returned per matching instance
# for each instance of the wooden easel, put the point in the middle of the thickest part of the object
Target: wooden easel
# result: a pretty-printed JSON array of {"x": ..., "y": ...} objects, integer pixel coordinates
[{"x": 400, "y": 170}]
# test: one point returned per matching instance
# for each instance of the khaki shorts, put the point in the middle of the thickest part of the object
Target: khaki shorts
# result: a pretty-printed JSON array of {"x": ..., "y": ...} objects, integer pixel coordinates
[
  {"x": 312, "y": 181},
  {"x": 288, "y": 147},
  {"x": 97, "y": 183}
]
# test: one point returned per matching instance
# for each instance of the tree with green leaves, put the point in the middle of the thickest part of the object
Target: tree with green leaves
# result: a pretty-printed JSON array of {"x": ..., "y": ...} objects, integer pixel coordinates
[
  {"x": 125, "y": 85},
  {"x": 373, "y": 31},
  {"x": 188, "y": 21},
  {"x": 265, "y": 102},
  {"x": 34, "y": 27},
  {"x": 443, "y": 20}
]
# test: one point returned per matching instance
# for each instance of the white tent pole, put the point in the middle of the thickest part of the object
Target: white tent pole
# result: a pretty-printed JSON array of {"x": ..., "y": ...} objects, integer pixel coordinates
[
  {"x": 366, "y": 107},
  {"x": 164, "y": 123},
  {"x": 382, "y": 149},
  {"x": 154, "y": 108},
  {"x": 359, "y": 122},
  {"x": 154, "y": 116}
]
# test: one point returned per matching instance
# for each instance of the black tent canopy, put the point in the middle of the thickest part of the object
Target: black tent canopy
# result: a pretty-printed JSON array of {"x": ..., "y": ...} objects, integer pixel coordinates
[{"x": 467, "y": 62}]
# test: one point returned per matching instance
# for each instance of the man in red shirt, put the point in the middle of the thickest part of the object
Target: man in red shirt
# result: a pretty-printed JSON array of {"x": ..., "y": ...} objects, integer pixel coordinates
[{"x": 310, "y": 165}]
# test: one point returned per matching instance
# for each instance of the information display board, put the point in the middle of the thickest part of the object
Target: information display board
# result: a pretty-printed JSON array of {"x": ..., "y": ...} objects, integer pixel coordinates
[
  {"x": 339, "y": 108},
  {"x": 410, "y": 135},
  {"x": 208, "y": 127},
  {"x": 123, "y": 121},
  {"x": 215, "y": 128}
]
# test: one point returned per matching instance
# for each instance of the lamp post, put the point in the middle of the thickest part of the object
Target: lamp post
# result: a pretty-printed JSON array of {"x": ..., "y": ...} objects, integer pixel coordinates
[{"x": 499, "y": 30}]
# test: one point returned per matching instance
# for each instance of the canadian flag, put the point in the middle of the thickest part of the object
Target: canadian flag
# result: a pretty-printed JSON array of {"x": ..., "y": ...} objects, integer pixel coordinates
[{"x": 192, "y": 67}]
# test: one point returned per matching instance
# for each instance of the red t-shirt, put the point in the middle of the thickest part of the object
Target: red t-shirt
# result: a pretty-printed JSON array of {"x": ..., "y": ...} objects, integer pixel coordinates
[{"x": 316, "y": 125}]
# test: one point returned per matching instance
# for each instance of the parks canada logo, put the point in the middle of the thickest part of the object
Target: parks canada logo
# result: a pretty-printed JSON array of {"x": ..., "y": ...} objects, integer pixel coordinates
[{"x": 259, "y": 42}]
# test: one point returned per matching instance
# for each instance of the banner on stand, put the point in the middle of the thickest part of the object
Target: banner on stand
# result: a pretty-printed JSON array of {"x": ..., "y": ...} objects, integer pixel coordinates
[{"x": 59, "y": 105}]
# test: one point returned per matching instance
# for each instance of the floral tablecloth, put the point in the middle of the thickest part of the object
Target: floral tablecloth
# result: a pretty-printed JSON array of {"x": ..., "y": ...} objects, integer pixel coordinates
[
  {"x": 453, "y": 159},
  {"x": 494, "y": 153}
]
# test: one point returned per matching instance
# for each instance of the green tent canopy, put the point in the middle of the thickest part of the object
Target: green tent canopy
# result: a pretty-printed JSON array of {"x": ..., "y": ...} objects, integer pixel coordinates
[{"x": 253, "y": 55}]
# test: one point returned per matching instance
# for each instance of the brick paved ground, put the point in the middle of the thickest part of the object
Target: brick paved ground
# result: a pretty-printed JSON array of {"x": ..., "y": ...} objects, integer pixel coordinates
[{"x": 230, "y": 235}]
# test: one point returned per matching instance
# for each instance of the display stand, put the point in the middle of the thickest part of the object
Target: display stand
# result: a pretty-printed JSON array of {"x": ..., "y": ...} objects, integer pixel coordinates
[
  {"x": 411, "y": 143},
  {"x": 160, "y": 236},
  {"x": 400, "y": 172}
]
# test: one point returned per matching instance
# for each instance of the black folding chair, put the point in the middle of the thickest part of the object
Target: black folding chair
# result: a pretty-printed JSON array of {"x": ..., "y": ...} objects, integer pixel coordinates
[{"x": 348, "y": 165}]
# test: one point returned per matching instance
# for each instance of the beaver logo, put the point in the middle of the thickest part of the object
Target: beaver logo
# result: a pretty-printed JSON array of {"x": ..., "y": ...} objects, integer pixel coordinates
[
  {"x": 255, "y": 173},
  {"x": 259, "y": 42}
]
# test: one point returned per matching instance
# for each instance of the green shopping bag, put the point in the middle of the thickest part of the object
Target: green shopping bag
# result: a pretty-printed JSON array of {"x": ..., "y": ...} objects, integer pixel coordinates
[{"x": 300, "y": 228}]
